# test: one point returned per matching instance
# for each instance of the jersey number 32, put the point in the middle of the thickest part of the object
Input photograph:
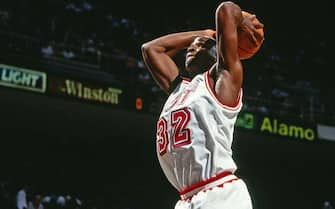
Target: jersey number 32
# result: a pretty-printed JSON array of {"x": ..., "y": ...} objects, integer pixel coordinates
[{"x": 180, "y": 133}]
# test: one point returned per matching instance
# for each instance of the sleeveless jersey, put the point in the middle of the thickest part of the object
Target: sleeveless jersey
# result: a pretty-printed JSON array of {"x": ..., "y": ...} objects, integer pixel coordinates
[{"x": 195, "y": 133}]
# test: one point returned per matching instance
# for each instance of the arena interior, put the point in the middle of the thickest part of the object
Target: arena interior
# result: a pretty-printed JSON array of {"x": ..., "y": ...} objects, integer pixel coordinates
[{"x": 78, "y": 108}]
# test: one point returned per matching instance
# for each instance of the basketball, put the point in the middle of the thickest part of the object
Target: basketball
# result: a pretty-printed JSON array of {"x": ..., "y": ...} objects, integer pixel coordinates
[{"x": 246, "y": 48}]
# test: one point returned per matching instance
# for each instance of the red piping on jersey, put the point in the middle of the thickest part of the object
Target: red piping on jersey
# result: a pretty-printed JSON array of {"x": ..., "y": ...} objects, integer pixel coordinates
[
  {"x": 204, "y": 183},
  {"x": 211, "y": 90},
  {"x": 185, "y": 79}
]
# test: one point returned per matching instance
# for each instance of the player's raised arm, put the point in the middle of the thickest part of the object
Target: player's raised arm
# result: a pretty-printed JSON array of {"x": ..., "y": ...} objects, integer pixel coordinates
[
  {"x": 229, "y": 20},
  {"x": 158, "y": 53}
]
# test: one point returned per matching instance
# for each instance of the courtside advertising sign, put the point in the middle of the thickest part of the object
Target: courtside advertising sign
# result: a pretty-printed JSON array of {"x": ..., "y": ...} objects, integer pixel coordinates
[
  {"x": 21, "y": 78},
  {"x": 84, "y": 90},
  {"x": 269, "y": 125}
]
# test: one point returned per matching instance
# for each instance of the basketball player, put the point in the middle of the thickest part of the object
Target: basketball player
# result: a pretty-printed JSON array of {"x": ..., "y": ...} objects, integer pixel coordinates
[{"x": 196, "y": 125}]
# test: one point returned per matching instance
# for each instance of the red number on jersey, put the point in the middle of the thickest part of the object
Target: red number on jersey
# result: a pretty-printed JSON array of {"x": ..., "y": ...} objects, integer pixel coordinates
[
  {"x": 179, "y": 122},
  {"x": 162, "y": 136},
  {"x": 181, "y": 134}
]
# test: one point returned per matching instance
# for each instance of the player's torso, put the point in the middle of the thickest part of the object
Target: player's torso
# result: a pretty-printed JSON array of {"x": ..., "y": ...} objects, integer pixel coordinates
[{"x": 194, "y": 134}]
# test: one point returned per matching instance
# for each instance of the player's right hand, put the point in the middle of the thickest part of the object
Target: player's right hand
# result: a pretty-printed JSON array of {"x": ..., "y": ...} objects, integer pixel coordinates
[{"x": 211, "y": 33}]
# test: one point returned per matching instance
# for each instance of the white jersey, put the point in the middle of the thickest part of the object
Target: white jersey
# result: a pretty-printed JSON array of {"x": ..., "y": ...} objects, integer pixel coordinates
[{"x": 195, "y": 133}]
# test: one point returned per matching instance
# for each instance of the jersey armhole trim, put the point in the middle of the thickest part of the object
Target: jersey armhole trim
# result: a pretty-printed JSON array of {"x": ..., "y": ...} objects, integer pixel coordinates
[
  {"x": 186, "y": 80},
  {"x": 178, "y": 80},
  {"x": 210, "y": 89}
]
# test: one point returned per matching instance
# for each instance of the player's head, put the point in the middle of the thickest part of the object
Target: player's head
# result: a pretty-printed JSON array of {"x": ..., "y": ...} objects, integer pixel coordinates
[{"x": 201, "y": 55}]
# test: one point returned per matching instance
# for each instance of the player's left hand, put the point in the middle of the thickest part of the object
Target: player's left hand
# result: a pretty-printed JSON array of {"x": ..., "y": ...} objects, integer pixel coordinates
[{"x": 249, "y": 26}]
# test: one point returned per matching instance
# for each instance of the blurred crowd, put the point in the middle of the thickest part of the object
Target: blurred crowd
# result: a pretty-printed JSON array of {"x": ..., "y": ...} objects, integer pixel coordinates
[
  {"x": 26, "y": 196},
  {"x": 16, "y": 193},
  {"x": 280, "y": 80}
]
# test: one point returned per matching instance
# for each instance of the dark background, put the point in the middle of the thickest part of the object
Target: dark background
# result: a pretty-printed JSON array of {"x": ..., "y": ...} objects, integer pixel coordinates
[
  {"x": 288, "y": 24},
  {"x": 108, "y": 157}
]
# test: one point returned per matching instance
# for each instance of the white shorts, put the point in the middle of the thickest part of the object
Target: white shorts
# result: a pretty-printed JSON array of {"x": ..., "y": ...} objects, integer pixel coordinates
[{"x": 233, "y": 195}]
